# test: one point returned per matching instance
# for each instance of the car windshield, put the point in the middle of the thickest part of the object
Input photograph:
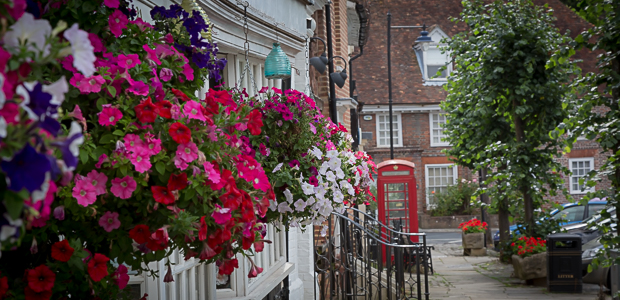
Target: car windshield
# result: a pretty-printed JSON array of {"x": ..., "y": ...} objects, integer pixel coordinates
[{"x": 570, "y": 214}]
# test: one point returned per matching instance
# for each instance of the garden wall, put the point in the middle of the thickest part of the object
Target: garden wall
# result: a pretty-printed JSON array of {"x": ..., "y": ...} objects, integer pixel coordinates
[{"x": 428, "y": 222}]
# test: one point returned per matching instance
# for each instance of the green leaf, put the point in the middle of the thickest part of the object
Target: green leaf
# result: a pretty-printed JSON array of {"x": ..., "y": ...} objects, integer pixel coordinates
[
  {"x": 106, "y": 138},
  {"x": 161, "y": 167},
  {"x": 14, "y": 203},
  {"x": 118, "y": 132},
  {"x": 112, "y": 91},
  {"x": 83, "y": 157},
  {"x": 189, "y": 194}
]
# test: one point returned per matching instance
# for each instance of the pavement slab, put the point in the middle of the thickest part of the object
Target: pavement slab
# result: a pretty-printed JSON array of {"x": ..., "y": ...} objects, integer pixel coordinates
[{"x": 486, "y": 278}]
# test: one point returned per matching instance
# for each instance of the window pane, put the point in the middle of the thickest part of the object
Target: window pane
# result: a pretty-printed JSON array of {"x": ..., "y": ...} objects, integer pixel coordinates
[{"x": 432, "y": 71}]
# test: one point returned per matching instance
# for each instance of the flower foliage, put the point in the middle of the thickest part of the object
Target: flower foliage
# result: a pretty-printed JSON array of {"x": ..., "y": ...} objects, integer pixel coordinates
[
  {"x": 473, "y": 226},
  {"x": 528, "y": 246}
]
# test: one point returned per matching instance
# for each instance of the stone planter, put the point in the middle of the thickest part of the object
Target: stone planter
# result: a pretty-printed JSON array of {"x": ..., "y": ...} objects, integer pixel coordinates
[
  {"x": 473, "y": 244},
  {"x": 532, "y": 269}
]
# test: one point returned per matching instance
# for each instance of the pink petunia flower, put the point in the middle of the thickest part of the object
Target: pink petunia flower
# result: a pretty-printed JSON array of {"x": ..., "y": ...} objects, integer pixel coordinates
[
  {"x": 96, "y": 42},
  {"x": 151, "y": 54},
  {"x": 141, "y": 24},
  {"x": 133, "y": 143},
  {"x": 77, "y": 113},
  {"x": 164, "y": 51},
  {"x": 103, "y": 158},
  {"x": 84, "y": 192},
  {"x": 138, "y": 87},
  {"x": 212, "y": 173},
  {"x": 111, "y": 3},
  {"x": 128, "y": 61},
  {"x": 193, "y": 110},
  {"x": 123, "y": 187},
  {"x": 187, "y": 152},
  {"x": 153, "y": 146},
  {"x": 87, "y": 84},
  {"x": 180, "y": 163},
  {"x": 165, "y": 74},
  {"x": 169, "y": 38},
  {"x": 98, "y": 181},
  {"x": 109, "y": 116},
  {"x": 141, "y": 161},
  {"x": 312, "y": 128},
  {"x": 117, "y": 21},
  {"x": 120, "y": 276},
  {"x": 188, "y": 72},
  {"x": 175, "y": 110},
  {"x": 109, "y": 221},
  {"x": 221, "y": 215},
  {"x": 67, "y": 64}
]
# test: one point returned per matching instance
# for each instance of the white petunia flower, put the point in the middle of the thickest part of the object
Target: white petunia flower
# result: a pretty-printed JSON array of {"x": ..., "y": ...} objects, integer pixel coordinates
[
  {"x": 324, "y": 168},
  {"x": 331, "y": 154},
  {"x": 288, "y": 195},
  {"x": 82, "y": 50},
  {"x": 2, "y": 95},
  {"x": 310, "y": 201},
  {"x": 277, "y": 168},
  {"x": 273, "y": 205},
  {"x": 329, "y": 176},
  {"x": 30, "y": 32},
  {"x": 300, "y": 205},
  {"x": 3, "y": 126},
  {"x": 334, "y": 163},
  {"x": 307, "y": 188},
  {"x": 339, "y": 173},
  {"x": 324, "y": 231},
  {"x": 326, "y": 210},
  {"x": 283, "y": 208},
  {"x": 338, "y": 196},
  {"x": 316, "y": 152},
  {"x": 74, "y": 147},
  {"x": 58, "y": 90}
]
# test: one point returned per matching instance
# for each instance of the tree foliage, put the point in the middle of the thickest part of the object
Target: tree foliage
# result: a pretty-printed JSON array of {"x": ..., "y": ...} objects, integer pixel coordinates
[{"x": 507, "y": 94}]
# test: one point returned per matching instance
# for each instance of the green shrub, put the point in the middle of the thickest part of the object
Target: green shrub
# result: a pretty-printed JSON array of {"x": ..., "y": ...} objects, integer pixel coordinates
[{"x": 455, "y": 199}]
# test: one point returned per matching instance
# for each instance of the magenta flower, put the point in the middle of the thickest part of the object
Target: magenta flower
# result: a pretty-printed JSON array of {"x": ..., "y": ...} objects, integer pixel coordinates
[
  {"x": 138, "y": 87},
  {"x": 151, "y": 54},
  {"x": 313, "y": 181},
  {"x": 221, "y": 215},
  {"x": 117, "y": 21},
  {"x": 84, "y": 192},
  {"x": 264, "y": 151},
  {"x": 77, "y": 113},
  {"x": 188, "y": 72},
  {"x": 187, "y": 152},
  {"x": 128, "y": 61},
  {"x": 293, "y": 163},
  {"x": 312, "y": 128},
  {"x": 141, "y": 24},
  {"x": 96, "y": 42},
  {"x": 180, "y": 163},
  {"x": 175, "y": 110},
  {"x": 165, "y": 74},
  {"x": 120, "y": 276},
  {"x": 87, "y": 84},
  {"x": 103, "y": 158},
  {"x": 153, "y": 146},
  {"x": 59, "y": 212},
  {"x": 109, "y": 221},
  {"x": 169, "y": 38},
  {"x": 111, "y": 3},
  {"x": 212, "y": 173},
  {"x": 193, "y": 110},
  {"x": 109, "y": 116},
  {"x": 133, "y": 143},
  {"x": 164, "y": 51},
  {"x": 98, "y": 181},
  {"x": 141, "y": 161},
  {"x": 123, "y": 187}
]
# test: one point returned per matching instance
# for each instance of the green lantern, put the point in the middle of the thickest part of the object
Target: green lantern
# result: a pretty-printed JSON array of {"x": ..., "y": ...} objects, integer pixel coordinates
[{"x": 277, "y": 65}]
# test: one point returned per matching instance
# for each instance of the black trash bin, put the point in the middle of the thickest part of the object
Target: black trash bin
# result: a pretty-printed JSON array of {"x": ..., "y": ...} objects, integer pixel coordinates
[{"x": 564, "y": 263}]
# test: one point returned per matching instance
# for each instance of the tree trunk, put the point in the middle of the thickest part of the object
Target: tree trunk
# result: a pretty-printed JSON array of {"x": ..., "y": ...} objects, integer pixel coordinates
[
  {"x": 528, "y": 203},
  {"x": 484, "y": 198}
]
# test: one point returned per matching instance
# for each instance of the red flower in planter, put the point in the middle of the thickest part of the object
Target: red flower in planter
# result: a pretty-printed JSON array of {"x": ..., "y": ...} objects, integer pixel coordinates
[
  {"x": 146, "y": 111},
  {"x": 158, "y": 240},
  {"x": 177, "y": 182},
  {"x": 255, "y": 122},
  {"x": 202, "y": 232},
  {"x": 180, "y": 95},
  {"x": 180, "y": 133},
  {"x": 162, "y": 195},
  {"x": 41, "y": 279},
  {"x": 473, "y": 226},
  {"x": 98, "y": 267},
  {"x": 32, "y": 295},
  {"x": 61, "y": 251},
  {"x": 228, "y": 266},
  {"x": 4, "y": 286},
  {"x": 140, "y": 234},
  {"x": 163, "y": 109}
]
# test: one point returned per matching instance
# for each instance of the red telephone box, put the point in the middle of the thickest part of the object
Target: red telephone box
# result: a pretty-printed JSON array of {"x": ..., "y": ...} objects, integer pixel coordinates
[{"x": 398, "y": 197}]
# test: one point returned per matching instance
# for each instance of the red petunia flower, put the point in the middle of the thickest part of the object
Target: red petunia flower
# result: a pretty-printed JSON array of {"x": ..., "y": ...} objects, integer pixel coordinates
[
  {"x": 158, "y": 240},
  {"x": 212, "y": 106},
  {"x": 163, "y": 109},
  {"x": 41, "y": 279},
  {"x": 162, "y": 195},
  {"x": 180, "y": 95},
  {"x": 98, "y": 267},
  {"x": 32, "y": 295},
  {"x": 202, "y": 232},
  {"x": 228, "y": 266},
  {"x": 4, "y": 286},
  {"x": 140, "y": 234},
  {"x": 180, "y": 133},
  {"x": 146, "y": 111},
  {"x": 61, "y": 251},
  {"x": 177, "y": 182},
  {"x": 255, "y": 122}
]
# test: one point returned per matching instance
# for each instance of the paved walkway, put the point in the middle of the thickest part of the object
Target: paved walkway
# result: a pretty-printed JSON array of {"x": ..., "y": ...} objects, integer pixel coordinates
[{"x": 459, "y": 277}]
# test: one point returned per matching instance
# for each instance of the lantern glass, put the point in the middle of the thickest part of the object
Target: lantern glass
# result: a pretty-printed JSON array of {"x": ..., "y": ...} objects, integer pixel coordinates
[{"x": 277, "y": 65}]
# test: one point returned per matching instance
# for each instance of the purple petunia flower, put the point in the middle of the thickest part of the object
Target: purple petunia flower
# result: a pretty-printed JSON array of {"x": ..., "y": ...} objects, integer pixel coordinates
[
  {"x": 70, "y": 147},
  {"x": 27, "y": 169}
]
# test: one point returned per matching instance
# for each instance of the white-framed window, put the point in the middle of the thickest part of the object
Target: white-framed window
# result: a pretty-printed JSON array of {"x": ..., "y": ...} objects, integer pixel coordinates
[
  {"x": 579, "y": 167},
  {"x": 431, "y": 60},
  {"x": 236, "y": 67},
  {"x": 436, "y": 122},
  {"x": 383, "y": 130},
  {"x": 437, "y": 178}
]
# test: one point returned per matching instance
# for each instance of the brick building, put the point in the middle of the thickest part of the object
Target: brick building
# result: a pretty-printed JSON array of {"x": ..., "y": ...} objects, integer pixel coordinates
[{"x": 417, "y": 115}]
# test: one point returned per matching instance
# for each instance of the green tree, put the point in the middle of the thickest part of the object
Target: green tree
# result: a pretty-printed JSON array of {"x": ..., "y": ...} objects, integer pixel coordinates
[
  {"x": 598, "y": 113},
  {"x": 507, "y": 94}
]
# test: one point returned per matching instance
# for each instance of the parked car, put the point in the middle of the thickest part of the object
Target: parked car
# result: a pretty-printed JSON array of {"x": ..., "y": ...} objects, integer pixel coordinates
[
  {"x": 588, "y": 228},
  {"x": 570, "y": 214},
  {"x": 599, "y": 275}
]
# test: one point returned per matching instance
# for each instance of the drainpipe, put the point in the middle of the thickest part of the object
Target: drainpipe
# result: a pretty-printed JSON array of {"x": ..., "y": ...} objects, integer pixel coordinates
[{"x": 351, "y": 81}]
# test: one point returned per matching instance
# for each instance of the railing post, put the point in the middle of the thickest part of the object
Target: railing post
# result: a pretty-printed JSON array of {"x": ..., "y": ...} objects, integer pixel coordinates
[{"x": 427, "y": 265}]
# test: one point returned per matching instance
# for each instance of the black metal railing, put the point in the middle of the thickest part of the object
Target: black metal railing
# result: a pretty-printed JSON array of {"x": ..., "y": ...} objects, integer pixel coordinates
[{"x": 361, "y": 258}]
